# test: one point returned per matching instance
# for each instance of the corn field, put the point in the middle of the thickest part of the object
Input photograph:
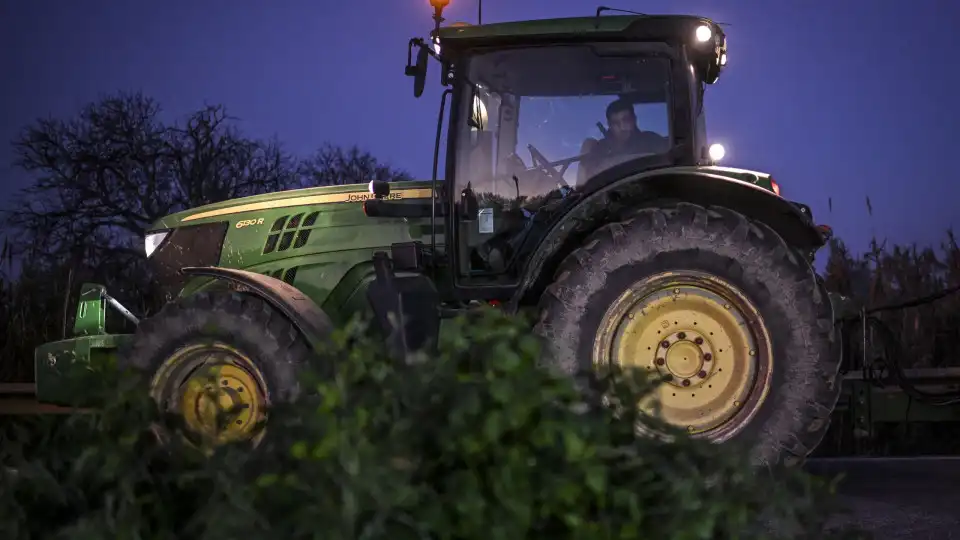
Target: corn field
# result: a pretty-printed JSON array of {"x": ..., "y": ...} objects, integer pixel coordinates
[{"x": 929, "y": 333}]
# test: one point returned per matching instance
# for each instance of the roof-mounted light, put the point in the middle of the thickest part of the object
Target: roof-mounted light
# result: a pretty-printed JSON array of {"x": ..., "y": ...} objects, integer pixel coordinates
[
  {"x": 438, "y": 6},
  {"x": 704, "y": 33}
]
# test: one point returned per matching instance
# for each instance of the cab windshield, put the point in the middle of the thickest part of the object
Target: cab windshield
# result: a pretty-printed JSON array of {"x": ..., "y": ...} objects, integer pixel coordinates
[
  {"x": 535, "y": 120},
  {"x": 534, "y": 123}
]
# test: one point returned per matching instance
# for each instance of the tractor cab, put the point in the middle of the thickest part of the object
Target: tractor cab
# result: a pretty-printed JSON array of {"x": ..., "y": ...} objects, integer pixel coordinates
[
  {"x": 534, "y": 127},
  {"x": 531, "y": 127},
  {"x": 543, "y": 113}
]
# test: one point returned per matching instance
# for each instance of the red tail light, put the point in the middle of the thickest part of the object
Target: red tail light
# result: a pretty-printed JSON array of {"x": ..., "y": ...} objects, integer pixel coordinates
[{"x": 776, "y": 186}]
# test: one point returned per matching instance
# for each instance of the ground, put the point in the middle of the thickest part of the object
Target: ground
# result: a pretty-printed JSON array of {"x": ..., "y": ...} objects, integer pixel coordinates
[{"x": 899, "y": 498}]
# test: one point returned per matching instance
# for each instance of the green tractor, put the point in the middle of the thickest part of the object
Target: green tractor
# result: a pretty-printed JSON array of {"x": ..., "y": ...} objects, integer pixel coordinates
[{"x": 577, "y": 183}]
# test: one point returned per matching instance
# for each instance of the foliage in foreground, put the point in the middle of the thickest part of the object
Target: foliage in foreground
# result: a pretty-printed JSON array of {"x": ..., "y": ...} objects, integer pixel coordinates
[{"x": 475, "y": 444}]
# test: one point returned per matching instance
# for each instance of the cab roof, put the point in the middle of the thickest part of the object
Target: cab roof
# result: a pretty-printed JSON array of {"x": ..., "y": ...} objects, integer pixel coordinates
[{"x": 667, "y": 28}]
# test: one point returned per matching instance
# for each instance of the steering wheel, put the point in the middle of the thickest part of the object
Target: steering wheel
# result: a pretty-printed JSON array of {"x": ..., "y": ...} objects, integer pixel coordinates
[{"x": 541, "y": 162}]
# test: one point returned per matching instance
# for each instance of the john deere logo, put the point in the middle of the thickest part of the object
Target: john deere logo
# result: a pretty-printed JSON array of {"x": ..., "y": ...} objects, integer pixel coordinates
[{"x": 359, "y": 197}]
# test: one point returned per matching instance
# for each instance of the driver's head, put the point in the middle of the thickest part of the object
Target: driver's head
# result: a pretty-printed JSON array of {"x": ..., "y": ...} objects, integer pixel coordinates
[{"x": 621, "y": 119}]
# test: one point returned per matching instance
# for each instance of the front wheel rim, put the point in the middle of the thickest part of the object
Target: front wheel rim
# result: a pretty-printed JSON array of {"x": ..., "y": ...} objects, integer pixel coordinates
[
  {"x": 701, "y": 334},
  {"x": 217, "y": 391}
]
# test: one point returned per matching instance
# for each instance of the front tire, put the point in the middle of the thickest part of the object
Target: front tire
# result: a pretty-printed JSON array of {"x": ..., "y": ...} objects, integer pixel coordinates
[
  {"x": 721, "y": 306},
  {"x": 218, "y": 361}
]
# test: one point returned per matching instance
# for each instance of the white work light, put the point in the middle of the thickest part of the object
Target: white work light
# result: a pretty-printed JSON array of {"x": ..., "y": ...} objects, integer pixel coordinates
[
  {"x": 716, "y": 152},
  {"x": 704, "y": 34}
]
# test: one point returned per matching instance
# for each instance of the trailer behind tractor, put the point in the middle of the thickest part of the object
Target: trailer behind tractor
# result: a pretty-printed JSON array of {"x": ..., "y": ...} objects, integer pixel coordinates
[{"x": 638, "y": 251}]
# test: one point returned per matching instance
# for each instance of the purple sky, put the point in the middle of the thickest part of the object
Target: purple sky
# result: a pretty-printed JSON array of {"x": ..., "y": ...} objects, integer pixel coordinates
[{"x": 842, "y": 99}]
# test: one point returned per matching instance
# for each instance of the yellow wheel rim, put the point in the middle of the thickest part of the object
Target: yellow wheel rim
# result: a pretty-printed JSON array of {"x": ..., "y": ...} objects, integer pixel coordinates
[
  {"x": 217, "y": 391},
  {"x": 705, "y": 337}
]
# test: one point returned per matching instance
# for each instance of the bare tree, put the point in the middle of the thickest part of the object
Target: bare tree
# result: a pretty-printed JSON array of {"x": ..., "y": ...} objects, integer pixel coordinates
[
  {"x": 335, "y": 166},
  {"x": 212, "y": 162},
  {"x": 102, "y": 178}
]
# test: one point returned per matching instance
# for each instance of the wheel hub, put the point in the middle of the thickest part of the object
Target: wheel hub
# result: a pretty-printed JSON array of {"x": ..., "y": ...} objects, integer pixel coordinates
[
  {"x": 216, "y": 390},
  {"x": 684, "y": 356},
  {"x": 702, "y": 338},
  {"x": 223, "y": 406}
]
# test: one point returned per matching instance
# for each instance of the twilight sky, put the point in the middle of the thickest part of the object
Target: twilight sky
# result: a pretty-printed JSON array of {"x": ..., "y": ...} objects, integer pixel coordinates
[{"x": 843, "y": 99}]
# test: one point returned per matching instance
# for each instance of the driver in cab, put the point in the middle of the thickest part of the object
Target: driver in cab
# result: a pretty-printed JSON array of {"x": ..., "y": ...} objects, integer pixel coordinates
[{"x": 623, "y": 140}]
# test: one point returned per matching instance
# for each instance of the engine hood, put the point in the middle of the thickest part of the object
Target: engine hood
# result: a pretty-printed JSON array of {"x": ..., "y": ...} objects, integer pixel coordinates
[{"x": 235, "y": 208}]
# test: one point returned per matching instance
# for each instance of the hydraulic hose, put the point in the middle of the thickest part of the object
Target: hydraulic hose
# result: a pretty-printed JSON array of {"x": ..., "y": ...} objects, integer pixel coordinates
[{"x": 892, "y": 347}]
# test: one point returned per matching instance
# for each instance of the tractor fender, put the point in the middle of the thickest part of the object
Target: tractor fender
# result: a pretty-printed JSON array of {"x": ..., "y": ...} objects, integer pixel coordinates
[
  {"x": 312, "y": 322},
  {"x": 596, "y": 207}
]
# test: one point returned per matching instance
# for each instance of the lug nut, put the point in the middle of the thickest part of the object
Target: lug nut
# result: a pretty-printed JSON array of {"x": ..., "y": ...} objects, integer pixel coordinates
[
  {"x": 682, "y": 335},
  {"x": 702, "y": 374},
  {"x": 707, "y": 357},
  {"x": 686, "y": 382},
  {"x": 665, "y": 344},
  {"x": 698, "y": 341},
  {"x": 660, "y": 361}
]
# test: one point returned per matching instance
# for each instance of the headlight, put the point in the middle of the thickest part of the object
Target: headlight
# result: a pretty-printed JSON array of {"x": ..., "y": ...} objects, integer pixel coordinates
[{"x": 153, "y": 240}]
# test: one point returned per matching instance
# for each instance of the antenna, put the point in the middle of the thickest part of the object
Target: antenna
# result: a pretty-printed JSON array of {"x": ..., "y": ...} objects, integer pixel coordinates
[
  {"x": 479, "y": 11},
  {"x": 601, "y": 9}
]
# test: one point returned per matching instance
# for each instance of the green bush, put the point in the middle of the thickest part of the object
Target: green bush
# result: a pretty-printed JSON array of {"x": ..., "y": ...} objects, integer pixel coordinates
[{"x": 477, "y": 443}]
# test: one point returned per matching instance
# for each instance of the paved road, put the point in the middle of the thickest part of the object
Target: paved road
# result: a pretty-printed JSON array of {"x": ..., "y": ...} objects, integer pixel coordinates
[{"x": 899, "y": 498}]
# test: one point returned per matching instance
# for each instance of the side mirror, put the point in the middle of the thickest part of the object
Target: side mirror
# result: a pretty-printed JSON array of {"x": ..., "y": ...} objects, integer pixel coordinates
[
  {"x": 469, "y": 206},
  {"x": 419, "y": 70}
]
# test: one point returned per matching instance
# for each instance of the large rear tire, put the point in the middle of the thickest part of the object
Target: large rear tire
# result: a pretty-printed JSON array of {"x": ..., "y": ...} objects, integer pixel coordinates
[
  {"x": 219, "y": 360},
  {"x": 717, "y": 303}
]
